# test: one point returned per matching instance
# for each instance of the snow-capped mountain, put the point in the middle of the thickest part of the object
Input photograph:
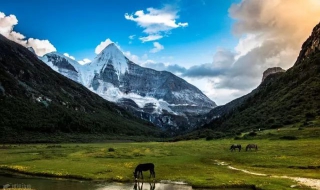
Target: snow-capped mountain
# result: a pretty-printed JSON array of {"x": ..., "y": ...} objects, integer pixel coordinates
[
  {"x": 157, "y": 96},
  {"x": 63, "y": 65}
]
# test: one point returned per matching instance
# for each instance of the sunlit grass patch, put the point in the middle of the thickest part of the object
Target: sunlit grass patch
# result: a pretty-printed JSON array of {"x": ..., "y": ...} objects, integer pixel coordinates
[{"x": 193, "y": 162}]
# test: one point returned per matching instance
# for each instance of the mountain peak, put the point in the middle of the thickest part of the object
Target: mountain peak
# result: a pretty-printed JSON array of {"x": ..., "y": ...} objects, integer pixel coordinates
[
  {"x": 271, "y": 71},
  {"x": 312, "y": 45},
  {"x": 112, "y": 44},
  {"x": 111, "y": 48},
  {"x": 111, "y": 51},
  {"x": 111, "y": 57}
]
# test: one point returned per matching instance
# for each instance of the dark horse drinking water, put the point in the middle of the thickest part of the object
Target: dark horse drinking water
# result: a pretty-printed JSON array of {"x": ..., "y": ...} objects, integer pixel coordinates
[
  {"x": 144, "y": 167},
  {"x": 234, "y": 146},
  {"x": 250, "y": 146}
]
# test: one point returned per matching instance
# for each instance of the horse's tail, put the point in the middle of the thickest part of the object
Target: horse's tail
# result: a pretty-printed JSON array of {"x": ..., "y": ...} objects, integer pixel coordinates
[{"x": 256, "y": 147}]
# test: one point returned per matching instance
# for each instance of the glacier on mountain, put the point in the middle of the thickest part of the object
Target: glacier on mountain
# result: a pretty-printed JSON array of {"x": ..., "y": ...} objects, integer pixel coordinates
[{"x": 157, "y": 96}]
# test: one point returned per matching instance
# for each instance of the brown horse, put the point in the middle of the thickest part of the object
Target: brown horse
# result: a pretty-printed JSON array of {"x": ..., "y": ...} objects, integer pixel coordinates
[
  {"x": 250, "y": 146},
  {"x": 144, "y": 167}
]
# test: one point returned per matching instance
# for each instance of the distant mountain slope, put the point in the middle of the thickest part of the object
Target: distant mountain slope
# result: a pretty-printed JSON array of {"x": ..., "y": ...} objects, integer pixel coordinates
[
  {"x": 35, "y": 99},
  {"x": 64, "y": 66},
  {"x": 284, "y": 98},
  {"x": 157, "y": 96}
]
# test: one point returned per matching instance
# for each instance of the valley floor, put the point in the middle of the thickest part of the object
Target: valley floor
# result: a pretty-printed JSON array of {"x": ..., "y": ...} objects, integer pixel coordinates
[{"x": 200, "y": 163}]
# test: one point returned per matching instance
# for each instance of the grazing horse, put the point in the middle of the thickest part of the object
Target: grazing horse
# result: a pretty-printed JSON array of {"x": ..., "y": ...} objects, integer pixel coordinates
[
  {"x": 144, "y": 167},
  {"x": 234, "y": 146},
  {"x": 250, "y": 146}
]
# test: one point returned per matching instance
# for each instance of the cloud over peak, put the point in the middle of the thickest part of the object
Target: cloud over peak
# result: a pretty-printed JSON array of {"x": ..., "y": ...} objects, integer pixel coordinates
[
  {"x": 69, "y": 56},
  {"x": 102, "y": 45},
  {"x": 84, "y": 61},
  {"x": 7, "y": 24}
]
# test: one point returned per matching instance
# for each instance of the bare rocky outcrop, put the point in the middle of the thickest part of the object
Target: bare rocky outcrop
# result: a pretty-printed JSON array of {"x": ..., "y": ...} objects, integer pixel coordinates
[
  {"x": 272, "y": 70},
  {"x": 312, "y": 45}
]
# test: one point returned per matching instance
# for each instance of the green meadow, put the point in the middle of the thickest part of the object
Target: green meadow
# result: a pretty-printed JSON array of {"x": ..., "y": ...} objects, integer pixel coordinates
[{"x": 200, "y": 163}]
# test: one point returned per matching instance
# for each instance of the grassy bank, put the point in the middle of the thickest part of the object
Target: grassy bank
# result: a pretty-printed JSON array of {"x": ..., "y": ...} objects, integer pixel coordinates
[{"x": 195, "y": 162}]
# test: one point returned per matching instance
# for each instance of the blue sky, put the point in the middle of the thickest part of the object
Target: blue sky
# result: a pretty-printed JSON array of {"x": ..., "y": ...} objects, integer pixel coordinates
[
  {"x": 220, "y": 46},
  {"x": 77, "y": 27}
]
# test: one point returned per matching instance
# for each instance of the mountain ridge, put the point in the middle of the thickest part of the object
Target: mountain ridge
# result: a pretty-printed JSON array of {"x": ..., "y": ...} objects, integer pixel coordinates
[
  {"x": 34, "y": 99},
  {"x": 284, "y": 98},
  {"x": 114, "y": 77}
]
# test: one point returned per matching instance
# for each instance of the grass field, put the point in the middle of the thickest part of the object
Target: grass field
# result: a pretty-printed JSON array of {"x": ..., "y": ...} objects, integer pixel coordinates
[{"x": 197, "y": 162}]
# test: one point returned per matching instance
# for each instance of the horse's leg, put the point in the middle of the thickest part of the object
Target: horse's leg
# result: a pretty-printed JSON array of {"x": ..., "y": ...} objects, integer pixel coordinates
[
  {"x": 152, "y": 173},
  {"x": 152, "y": 186},
  {"x": 142, "y": 174},
  {"x": 140, "y": 187},
  {"x": 135, "y": 186}
]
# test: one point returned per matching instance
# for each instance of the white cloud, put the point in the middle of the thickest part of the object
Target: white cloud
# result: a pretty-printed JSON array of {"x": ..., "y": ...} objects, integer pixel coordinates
[
  {"x": 84, "y": 61},
  {"x": 150, "y": 38},
  {"x": 157, "y": 47},
  {"x": 7, "y": 24},
  {"x": 102, "y": 45},
  {"x": 132, "y": 57},
  {"x": 67, "y": 55},
  {"x": 131, "y": 37},
  {"x": 81, "y": 62},
  {"x": 268, "y": 35},
  {"x": 145, "y": 56},
  {"x": 156, "y": 21},
  {"x": 41, "y": 47}
]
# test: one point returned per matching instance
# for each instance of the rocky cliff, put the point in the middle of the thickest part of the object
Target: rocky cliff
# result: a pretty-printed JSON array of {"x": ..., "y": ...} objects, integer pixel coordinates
[
  {"x": 283, "y": 98},
  {"x": 311, "y": 46},
  {"x": 270, "y": 71}
]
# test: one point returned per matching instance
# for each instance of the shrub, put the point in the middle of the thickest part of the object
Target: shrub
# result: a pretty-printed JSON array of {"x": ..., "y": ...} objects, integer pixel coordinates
[
  {"x": 288, "y": 138},
  {"x": 238, "y": 133},
  {"x": 276, "y": 125},
  {"x": 310, "y": 115},
  {"x": 252, "y": 134}
]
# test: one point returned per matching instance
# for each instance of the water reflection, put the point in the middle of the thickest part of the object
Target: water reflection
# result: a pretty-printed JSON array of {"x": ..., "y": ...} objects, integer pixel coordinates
[
  {"x": 54, "y": 184},
  {"x": 145, "y": 186},
  {"x": 139, "y": 186},
  {"x": 58, "y": 184}
]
